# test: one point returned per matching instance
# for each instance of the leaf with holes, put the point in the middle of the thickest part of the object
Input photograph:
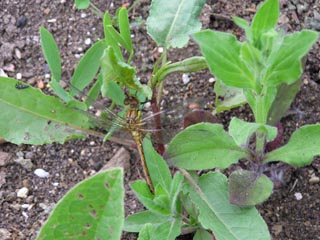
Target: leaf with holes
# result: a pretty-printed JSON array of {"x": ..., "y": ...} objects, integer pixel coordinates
[
  {"x": 93, "y": 209},
  {"x": 31, "y": 117}
]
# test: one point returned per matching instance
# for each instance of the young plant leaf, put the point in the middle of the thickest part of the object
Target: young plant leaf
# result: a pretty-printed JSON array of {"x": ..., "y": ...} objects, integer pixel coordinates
[
  {"x": 82, "y": 4},
  {"x": 147, "y": 232},
  {"x": 159, "y": 171},
  {"x": 135, "y": 222},
  {"x": 222, "y": 218},
  {"x": 222, "y": 52},
  {"x": 170, "y": 23},
  {"x": 144, "y": 195},
  {"x": 93, "y": 209},
  {"x": 124, "y": 27},
  {"x": 113, "y": 69},
  {"x": 265, "y": 19},
  {"x": 227, "y": 97},
  {"x": 285, "y": 64},
  {"x": 247, "y": 188},
  {"x": 241, "y": 131},
  {"x": 302, "y": 147},
  {"x": 88, "y": 67},
  {"x": 286, "y": 93},
  {"x": 203, "y": 146},
  {"x": 31, "y": 117},
  {"x": 51, "y": 53},
  {"x": 202, "y": 234}
]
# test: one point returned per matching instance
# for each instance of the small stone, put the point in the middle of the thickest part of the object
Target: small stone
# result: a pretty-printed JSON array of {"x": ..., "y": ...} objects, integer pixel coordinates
[
  {"x": 46, "y": 11},
  {"x": 25, "y": 163},
  {"x": 19, "y": 76},
  {"x": 5, "y": 234},
  {"x": 160, "y": 49},
  {"x": 17, "y": 53},
  {"x": 2, "y": 73},
  {"x": 298, "y": 196},
  {"x": 83, "y": 15},
  {"x": 12, "y": 196},
  {"x": 53, "y": 20},
  {"x": 212, "y": 80},
  {"x": 41, "y": 173},
  {"x": 21, "y": 21},
  {"x": 4, "y": 158},
  {"x": 185, "y": 78},
  {"x": 22, "y": 192},
  {"x": 314, "y": 179},
  {"x": 87, "y": 41}
]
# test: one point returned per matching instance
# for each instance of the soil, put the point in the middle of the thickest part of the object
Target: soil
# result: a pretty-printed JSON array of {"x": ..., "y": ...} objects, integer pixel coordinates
[{"x": 292, "y": 212}]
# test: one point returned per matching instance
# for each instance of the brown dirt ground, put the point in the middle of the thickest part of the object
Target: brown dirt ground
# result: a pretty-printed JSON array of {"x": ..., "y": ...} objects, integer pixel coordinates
[{"x": 287, "y": 217}]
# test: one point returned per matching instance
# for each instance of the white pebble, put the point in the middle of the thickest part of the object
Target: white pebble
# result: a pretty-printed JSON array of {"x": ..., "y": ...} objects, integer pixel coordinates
[
  {"x": 298, "y": 196},
  {"x": 47, "y": 76},
  {"x": 56, "y": 184},
  {"x": 19, "y": 76},
  {"x": 83, "y": 15},
  {"x": 212, "y": 80},
  {"x": 22, "y": 192},
  {"x": 87, "y": 41},
  {"x": 160, "y": 49},
  {"x": 2, "y": 73},
  {"x": 53, "y": 20},
  {"x": 41, "y": 173},
  {"x": 185, "y": 78}
]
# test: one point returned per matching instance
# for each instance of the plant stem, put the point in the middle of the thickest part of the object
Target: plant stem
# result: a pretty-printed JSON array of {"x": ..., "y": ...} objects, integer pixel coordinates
[{"x": 96, "y": 10}]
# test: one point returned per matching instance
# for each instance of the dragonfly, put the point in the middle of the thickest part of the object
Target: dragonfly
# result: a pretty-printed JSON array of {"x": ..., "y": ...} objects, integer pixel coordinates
[
  {"x": 132, "y": 122},
  {"x": 138, "y": 125}
]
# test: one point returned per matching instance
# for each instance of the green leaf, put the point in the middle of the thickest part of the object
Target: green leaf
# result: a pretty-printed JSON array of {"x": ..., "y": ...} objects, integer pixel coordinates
[
  {"x": 135, "y": 222},
  {"x": 202, "y": 234},
  {"x": 144, "y": 195},
  {"x": 170, "y": 23},
  {"x": 285, "y": 64},
  {"x": 93, "y": 209},
  {"x": 82, "y": 4},
  {"x": 87, "y": 67},
  {"x": 159, "y": 171},
  {"x": 114, "y": 92},
  {"x": 31, "y": 117},
  {"x": 124, "y": 27},
  {"x": 222, "y": 52},
  {"x": 51, "y": 53},
  {"x": 169, "y": 229},
  {"x": 203, "y": 146},
  {"x": 241, "y": 131},
  {"x": 192, "y": 64},
  {"x": 303, "y": 145},
  {"x": 147, "y": 232},
  {"x": 225, "y": 220},
  {"x": 247, "y": 188},
  {"x": 227, "y": 97},
  {"x": 282, "y": 102},
  {"x": 113, "y": 69},
  {"x": 265, "y": 19}
]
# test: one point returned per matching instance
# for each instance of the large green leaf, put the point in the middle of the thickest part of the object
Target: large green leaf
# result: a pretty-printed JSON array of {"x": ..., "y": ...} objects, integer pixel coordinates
[
  {"x": 88, "y": 66},
  {"x": 203, "y": 146},
  {"x": 226, "y": 221},
  {"x": 29, "y": 116},
  {"x": 222, "y": 52},
  {"x": 285, "y": 64},
  {"x": 247, "y": 188},
  {"x": 82, "y": 4},
  {"x": 303, "y": 145},
  {"x": 170, "y": 23},
  {"x": 93, "y": 209}
]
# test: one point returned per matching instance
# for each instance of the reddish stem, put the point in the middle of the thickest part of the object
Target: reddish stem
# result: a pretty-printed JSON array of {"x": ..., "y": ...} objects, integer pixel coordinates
[{"x": 157, "y": 121}]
